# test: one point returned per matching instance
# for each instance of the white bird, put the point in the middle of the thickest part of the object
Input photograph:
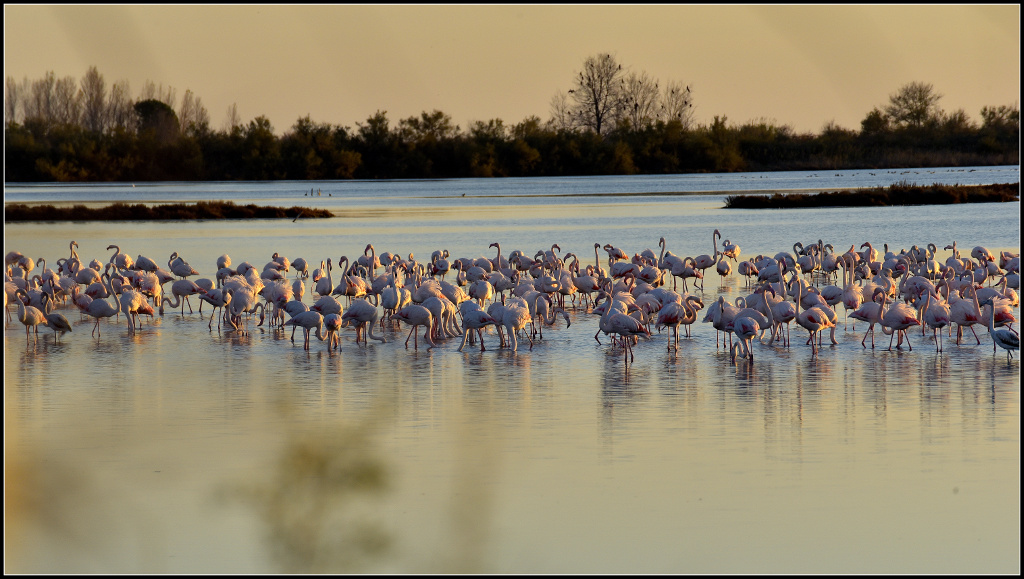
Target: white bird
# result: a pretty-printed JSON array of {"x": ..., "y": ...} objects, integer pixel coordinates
[
  {"x": 363, "y": 315},
  {"x": 416, "y": 315},
  {"x": 54, "y": 320},
  {"x": 474, "y": 319},
  {"x": 1005, "y": 339},
  {"x": 29, "y": 315},
  {"x": 308, "y": 321}
]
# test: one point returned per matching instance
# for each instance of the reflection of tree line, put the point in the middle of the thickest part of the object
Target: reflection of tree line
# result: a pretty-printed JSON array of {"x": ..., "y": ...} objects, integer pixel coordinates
[{"x": 612, "y": 122}]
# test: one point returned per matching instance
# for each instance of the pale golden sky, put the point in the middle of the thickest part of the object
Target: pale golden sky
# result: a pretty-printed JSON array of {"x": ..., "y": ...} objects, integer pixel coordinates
[{"x": 797, "y": 65}]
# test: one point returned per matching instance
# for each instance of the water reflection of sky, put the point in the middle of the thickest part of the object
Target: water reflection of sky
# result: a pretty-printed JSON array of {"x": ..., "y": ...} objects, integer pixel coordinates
[{"x": 182, "y": 449}]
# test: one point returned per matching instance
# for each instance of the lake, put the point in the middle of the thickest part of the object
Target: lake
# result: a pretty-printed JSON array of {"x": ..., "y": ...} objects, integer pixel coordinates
[{"x": 184, "y": 449}]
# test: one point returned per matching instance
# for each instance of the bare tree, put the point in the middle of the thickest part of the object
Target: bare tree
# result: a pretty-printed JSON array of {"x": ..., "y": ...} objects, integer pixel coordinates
[
  {"x": 202, "y": 116},
  {"x": 676, "y": 104},
  {"x": 233, "y": 121},
  {"x": 192, "y": 115},
  {"x": 40, "y": 102},
  {"x": 94, "y": 101},
  {"x": 67, "y": 101},
  {"x": 596, "y": 93},
  {"x": 562, "y": 112},
  {"x": 12, "y": 100},
  {"x": 120, "y": 111},
  {"x": 150, "y": 91},
  {"x": 913, "y": 105},
  {"x": 640, "y": 99}
]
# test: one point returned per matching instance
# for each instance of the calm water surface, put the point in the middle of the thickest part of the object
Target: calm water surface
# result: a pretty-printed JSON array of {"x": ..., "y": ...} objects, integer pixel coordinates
[{"x": 185, "y": 449}]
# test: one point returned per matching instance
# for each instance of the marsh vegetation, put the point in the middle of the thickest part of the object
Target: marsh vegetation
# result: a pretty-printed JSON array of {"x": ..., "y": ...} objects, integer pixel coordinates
[{"x": 899, "y": 194}]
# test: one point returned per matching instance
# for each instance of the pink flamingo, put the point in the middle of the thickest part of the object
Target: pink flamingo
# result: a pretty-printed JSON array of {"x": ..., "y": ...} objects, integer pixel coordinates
[{"x": 416, "y": 315}]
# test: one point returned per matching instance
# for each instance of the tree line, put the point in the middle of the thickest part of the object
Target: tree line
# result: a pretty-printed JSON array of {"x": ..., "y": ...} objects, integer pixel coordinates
[{"x": 611, "y": 122}]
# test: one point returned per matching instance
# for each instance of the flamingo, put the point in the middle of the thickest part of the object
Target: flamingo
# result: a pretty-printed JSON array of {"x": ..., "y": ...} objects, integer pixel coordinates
[
  {"x": 416, "y": 315},
  {"x": 301, "y": 267},
  {"x": 686, "y": 269},
  {"x": 439, "y": 264},
  {"x": 673, "y": 314},
  {"x": 444, "y": 314},
  {"x": 812, "y": 319},
  {"x": 935, "y": 316},
  {"x": 30, "y": 316},
  {"x": 218, "y": 299},
  {"x": 180, "y": 267},
  {"x": 324, "y": 285},
  {"x": 730, "y": 250},
  {"x": 870, "y": 312},
  {"x": 586, "y": 284},
  {"x": 364, "y": 315},
  {"x": 120, "y": 260},
  {"x": 964, "y": 312},
  {"x": 308, "y": 321},
  {"x": 747, "y": 269},
  {"x": 474, "y": 319},
  {"x": 101, "y": 308},
  {"x": 393, "y": 299},
  {"x": 327, "y": 305},
  {"x": 614, "y": 254},
  {"x": 132, "y": 304},
  {"x": 481, "y": 290},
  {"x": 54, "y": 320},
  {"x": 746, "y": 325},
  {"x": 1005, "y": 339},
  {"x": 896, "y": 319},
  {"x": 181, "y": 289},
  {"x": 615, "y": 321},
  {"x": 332, "y": 324},
  {"x": 703, "y": 262},
  {"x": 723, "y": 268},
  {"x": 599, "y": 272},
  {"x": 144, "y": 263},
  {"x": 982, "y": 254},
  {"x": 499, "y": 262},
  {"x": 515, "y": 316}
]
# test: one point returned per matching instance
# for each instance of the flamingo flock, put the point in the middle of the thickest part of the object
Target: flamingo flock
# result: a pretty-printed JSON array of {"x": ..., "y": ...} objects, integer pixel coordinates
[{"x": 626, "y": 296}]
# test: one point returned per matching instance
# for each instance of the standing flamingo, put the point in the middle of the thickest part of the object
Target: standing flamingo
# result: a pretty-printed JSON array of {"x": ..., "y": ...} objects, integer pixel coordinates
[
  {"x": 703, "y": 262},
  {"x": 54, "y": 320},
  {"x": 812, "y": 319},
  {"x": 364, "y": 316},
  {"x": 965, "y": 313},
  {"x": 730, "y": 250},
  {"x": 181, "y": 289},
  {"x": 746, "y": 325},
  {"x": 30, "y": 316},
  {"x": 180, "y": 267},
  {"x": 324, "y": 284},
  {"x": 474, "y": 319},
  {"x": 416, "y": 315},
  {"x": 896, "y": 319},
  {"x": 614, "y": 321},
  {"x": 935, "y": 315},
  {"x": 218, "y": 299},
  {"x": 101, "y": 308},
  {"x": 672, "y": 315},
  {"x": 1005, "y": 339},
  {"x": 515, "y": 316},
  {"x": 332, "y": 325},
  {"x": 308, "y": 321}
]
